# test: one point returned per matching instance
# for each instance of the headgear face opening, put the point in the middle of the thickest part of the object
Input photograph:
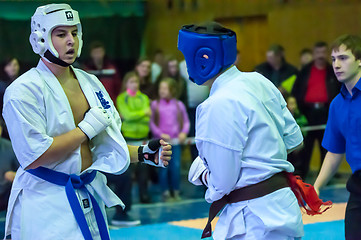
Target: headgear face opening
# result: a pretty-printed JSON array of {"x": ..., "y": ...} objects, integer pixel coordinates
[
  {"x": 43, "y": 22},
  {"x": 207, "y": 50}
]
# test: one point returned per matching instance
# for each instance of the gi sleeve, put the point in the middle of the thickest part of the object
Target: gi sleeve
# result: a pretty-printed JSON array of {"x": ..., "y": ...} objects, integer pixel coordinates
[
  {"x": 224, "y": 167},
  {"x": 27, "y": 128},
  {"x": 292, "y": 135},
  {"x": 222, "y": 133},
  {"x": 197, "y": 171}
]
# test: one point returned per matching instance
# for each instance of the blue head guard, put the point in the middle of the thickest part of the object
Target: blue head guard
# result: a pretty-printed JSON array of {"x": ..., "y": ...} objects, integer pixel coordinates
[{"x": 208, "y": 49}]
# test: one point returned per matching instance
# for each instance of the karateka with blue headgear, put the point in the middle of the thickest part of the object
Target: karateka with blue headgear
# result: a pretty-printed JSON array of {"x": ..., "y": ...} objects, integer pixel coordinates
[
  {"x": 65, "y": 131},
  {"x": 243, "y": 134}
]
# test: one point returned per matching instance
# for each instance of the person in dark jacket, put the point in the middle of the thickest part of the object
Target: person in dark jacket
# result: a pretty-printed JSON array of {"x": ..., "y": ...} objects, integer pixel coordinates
[
  {"x": 315, "y": 87},
  {"x": 276, "y": 68}
]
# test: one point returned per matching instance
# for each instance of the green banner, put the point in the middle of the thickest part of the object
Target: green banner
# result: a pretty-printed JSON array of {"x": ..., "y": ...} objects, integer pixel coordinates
[{"x": 23, "y": 10}]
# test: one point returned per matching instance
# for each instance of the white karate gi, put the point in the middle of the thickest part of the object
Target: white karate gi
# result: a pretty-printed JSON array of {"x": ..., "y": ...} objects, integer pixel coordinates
[
  {"x": 243, "y": 131},
  {"x": 36, "y": 109}
]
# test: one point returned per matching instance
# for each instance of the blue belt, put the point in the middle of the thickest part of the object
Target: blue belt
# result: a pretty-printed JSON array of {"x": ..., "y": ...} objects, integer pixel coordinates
[{"x": 72, "y": 182}]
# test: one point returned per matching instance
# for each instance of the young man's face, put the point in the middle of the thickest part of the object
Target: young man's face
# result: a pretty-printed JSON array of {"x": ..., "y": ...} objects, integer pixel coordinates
[
  {"x": 345, "y": 65},
  {"x": 66, "y": 43}
]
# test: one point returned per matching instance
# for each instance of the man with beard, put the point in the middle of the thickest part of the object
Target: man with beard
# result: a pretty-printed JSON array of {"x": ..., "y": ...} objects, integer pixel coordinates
[{"x": 315, "y": 87}]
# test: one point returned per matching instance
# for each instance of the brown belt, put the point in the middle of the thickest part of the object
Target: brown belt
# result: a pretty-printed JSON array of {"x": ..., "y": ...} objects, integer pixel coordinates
[{"x": 277, "y": 181}]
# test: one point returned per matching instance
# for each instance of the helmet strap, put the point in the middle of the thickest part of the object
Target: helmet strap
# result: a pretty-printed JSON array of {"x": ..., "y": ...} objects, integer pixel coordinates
[{"x": 55, "y": 60}]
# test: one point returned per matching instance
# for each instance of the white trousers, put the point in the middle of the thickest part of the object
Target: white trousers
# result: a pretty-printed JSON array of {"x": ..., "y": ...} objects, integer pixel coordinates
[
  {"x": 18, "y": 234},
  {"x": 255, "y": 229}
]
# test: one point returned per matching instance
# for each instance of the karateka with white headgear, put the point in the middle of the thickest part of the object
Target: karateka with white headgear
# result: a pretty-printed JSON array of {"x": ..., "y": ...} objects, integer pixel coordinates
[
  {"x": 243, "y": 134},
  {"x": 65, "y": 130}
]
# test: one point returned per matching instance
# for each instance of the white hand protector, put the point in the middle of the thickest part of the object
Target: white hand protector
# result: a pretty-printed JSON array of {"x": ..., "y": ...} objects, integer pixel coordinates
[
  {"x": 95, "y": 121},
  {"x": 197, "y": 172},
  {"x": 146, "y": 153}
]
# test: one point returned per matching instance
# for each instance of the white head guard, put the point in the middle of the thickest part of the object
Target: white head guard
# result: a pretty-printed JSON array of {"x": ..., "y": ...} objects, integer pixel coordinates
[{"x": 44, "y": 20}]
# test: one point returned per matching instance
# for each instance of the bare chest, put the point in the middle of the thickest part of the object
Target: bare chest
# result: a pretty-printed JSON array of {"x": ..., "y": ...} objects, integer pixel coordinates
[{"x": 78, "y": 103}]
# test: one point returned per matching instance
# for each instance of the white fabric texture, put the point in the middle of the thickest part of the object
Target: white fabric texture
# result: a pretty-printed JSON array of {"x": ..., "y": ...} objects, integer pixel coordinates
[
  {"x": 36, "y": 109},
  {"x": 196, "y": 171},
  {"x": 243, "y": 131}
]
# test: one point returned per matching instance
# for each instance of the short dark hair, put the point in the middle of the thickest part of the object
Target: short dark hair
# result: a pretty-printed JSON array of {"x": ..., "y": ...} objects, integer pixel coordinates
[
  {"x": 305, "y": 50},
  {"x": 97, "y": 44},
  {"x": 320, "y": 44},
  {"x": 352, "y": 42},
  {"x": 276, "y": 48},
  {"x": 209, "y": 27}
]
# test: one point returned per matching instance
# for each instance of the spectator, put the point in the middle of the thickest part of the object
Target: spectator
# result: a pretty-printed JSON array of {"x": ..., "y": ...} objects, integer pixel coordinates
[
  {"x": 8, "y": 167},
  {"x": 10, "y": 70},
  {"x": 143, "y": 69},
  {"x": 305, "y": 57},
  {"x": 171, "y": 70},
  {"x": 170, "y": 121},
  {"x": 315, "y": 87},
  {"x": 157, "y": 65},
  {"x": 276, "y": 67},
  {"x": 134, "y": 108},
  {"x": 102, "y": 67}
]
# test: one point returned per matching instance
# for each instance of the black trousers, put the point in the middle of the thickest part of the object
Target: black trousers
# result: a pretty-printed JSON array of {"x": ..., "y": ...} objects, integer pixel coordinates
[
  {"x": 353, "y": 209},
  {"x": 315, "y": 116},
  {"x": 122, "y": 187}
]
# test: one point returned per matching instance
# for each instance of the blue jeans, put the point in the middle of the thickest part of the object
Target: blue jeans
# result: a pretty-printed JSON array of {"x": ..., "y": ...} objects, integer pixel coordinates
[{"x": 169, "y": 177}]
